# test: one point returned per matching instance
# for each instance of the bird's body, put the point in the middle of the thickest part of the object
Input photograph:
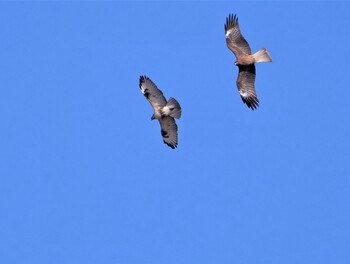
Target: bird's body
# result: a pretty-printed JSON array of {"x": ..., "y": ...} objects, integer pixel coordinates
[
  {"x": 245, "y": 61},
  {"x": 157, "y": 113},
  {"x": 164, "y": 111}
]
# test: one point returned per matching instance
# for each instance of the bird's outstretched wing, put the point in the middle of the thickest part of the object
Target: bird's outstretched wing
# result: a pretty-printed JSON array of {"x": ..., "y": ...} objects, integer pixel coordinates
[
  {"x": 151, "y": 92},
  {"x": 234, "y": 39},
  {"x": 246, "y": 85},
  {"x": 169, "y": 131}
]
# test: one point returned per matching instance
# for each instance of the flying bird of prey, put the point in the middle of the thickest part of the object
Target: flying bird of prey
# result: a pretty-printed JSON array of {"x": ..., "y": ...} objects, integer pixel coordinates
[
  {"x": 165, "y": 111},
  {"x": 245, "y": 61}
]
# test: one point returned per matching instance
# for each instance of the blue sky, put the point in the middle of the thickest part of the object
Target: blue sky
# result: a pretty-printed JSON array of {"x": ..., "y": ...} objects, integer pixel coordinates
[{"x": 86, "y": 178}]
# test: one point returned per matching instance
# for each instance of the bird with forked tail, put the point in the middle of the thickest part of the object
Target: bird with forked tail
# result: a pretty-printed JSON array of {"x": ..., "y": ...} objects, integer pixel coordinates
[{"x": 245, "y": 61}]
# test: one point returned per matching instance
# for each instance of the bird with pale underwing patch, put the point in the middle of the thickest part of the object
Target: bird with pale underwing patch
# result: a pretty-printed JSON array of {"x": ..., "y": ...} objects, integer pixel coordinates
[
  {"x": 245, "y": 61},
  {"x": 164, "y": 111}
]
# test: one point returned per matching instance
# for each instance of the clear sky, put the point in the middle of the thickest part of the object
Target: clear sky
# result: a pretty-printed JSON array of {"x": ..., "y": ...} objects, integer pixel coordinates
[{"x": 86, "y": 178}]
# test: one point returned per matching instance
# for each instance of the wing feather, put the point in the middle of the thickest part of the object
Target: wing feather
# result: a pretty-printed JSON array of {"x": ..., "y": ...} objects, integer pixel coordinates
[
  {"x": 246, "y": 85},
  {"x": 169, "y": 131},
  {"x": 234, "y": 39},
  {"x": 151, "y": 92}
]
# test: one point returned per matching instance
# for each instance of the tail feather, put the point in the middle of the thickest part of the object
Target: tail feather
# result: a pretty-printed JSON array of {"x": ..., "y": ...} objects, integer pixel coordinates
[
  {"x": 262, "y": 56},
  {"x": 172, "y": 108}
]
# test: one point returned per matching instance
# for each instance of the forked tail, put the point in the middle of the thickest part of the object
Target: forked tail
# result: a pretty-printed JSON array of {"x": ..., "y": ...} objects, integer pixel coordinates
[{"x": 262, "y": 56}]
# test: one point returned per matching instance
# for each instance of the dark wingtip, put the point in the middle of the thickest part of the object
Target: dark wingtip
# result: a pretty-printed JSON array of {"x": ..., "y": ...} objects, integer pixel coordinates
[
  {"x": 251, "y": 102},
  {"x": 235, "y": 19},
  {"x": 142, "y": 79},
  {"x": 231, "y": 20},
  {"x": 170, "y": 145}
]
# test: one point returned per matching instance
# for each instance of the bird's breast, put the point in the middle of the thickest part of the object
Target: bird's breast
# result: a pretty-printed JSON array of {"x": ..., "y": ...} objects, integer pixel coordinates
[{"x": 245, "y": 60}]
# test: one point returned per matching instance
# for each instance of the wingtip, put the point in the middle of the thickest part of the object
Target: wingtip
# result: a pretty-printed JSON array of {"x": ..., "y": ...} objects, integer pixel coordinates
[
  {"x": 235, "y": 19},
  {"x": 251, "y": 102},
  {"x": 173, "y": 146},
  {"x": 231, "y": 20},
  {"x": 143, "y": 79}
]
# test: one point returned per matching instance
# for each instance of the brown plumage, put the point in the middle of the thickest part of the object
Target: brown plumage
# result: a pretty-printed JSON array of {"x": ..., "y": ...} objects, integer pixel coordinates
[
  {"x": 245, "y": 61},
  {"x": 165, "y": 111}
]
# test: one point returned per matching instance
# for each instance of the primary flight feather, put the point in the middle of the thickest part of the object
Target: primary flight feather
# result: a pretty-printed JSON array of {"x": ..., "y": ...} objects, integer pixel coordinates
[
  {"x": 165, "y": 111},
  {"x": 245, "y": 61}
]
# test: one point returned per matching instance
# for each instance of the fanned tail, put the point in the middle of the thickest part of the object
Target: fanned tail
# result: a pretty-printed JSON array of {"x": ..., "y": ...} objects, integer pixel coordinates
[
  {"x": 172, "y": 108},
  {"x": 262, "y": 56}
]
